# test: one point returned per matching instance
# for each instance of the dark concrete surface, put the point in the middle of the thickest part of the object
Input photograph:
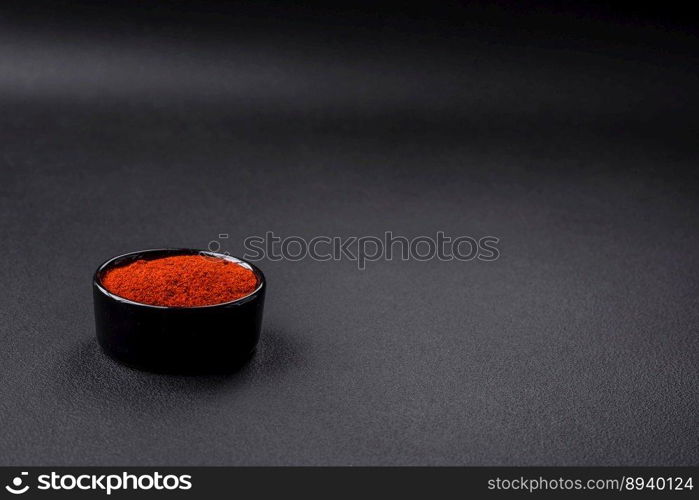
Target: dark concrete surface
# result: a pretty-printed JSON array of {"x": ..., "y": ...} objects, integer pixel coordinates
[{"x": 578, "y": 346}]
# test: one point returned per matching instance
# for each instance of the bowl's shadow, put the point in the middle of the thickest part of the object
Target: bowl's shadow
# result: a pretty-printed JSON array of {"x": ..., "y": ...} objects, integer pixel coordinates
[{"x": 87, "y": 373}]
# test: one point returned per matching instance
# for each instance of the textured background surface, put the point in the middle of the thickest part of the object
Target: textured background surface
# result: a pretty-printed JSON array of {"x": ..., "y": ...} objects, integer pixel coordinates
[{"x": 575, "y": 146}]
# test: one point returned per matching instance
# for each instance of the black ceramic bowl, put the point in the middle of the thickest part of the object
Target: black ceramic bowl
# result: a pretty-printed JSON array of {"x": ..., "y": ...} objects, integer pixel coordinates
[{"x": 206, "y": 339}]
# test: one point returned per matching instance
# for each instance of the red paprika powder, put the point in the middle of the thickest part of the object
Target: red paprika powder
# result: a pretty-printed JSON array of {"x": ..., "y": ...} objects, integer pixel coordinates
[{"x": 181, "y": 281}]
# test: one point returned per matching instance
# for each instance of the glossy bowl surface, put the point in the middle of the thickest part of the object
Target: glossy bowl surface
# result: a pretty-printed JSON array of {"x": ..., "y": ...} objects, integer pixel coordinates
[{"x": 204, "y": 339}]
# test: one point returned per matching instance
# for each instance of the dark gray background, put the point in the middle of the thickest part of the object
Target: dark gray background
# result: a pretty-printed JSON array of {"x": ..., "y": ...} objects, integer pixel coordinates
[{"x": 570, "y": 135}]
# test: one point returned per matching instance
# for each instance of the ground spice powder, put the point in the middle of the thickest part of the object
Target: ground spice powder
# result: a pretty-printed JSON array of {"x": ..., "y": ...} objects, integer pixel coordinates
[{"x": 181, "y": 281}]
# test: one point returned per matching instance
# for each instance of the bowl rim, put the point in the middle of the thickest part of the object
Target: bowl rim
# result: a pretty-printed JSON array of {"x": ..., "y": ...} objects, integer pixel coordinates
[{"x": 96, "y": 277}]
